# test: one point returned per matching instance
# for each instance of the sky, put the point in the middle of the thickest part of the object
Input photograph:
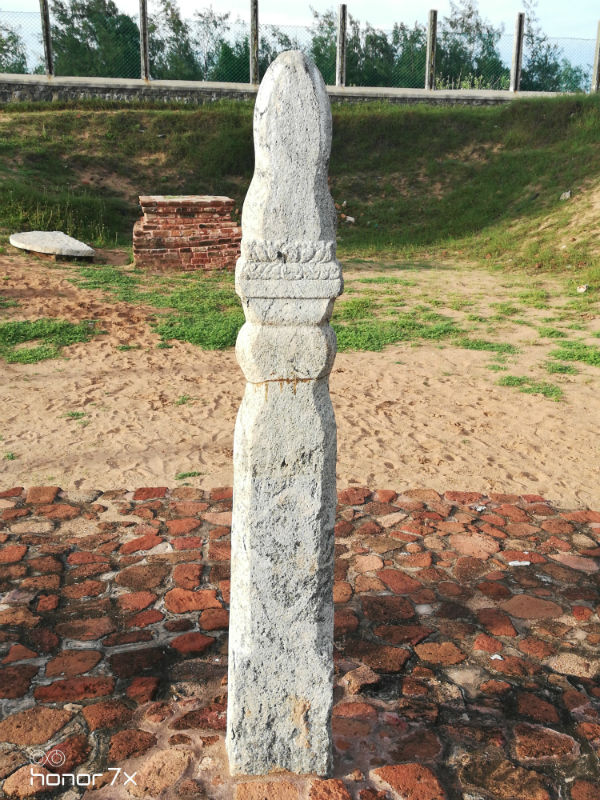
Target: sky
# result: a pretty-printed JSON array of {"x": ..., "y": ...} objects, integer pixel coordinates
[{"x": 578, "y": 19}]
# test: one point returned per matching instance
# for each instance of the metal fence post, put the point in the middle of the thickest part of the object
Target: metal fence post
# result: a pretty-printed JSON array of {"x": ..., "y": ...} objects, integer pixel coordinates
[
  {"x": 144, "y": 48},
  {"x": 254, "y": 76},
  {"x": 431, "y": 45},
  {"x": 517, "y": 59},
  {"x": 47, "y": 37},
  {"x": 340, "y": 57},
  {"x": 595, "y": 87}
]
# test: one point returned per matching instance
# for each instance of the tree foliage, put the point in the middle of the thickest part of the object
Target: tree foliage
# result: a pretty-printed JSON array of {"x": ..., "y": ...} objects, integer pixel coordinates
[
  {"x": 91, "y": 37},
  {"x": 13, "y": 57}
]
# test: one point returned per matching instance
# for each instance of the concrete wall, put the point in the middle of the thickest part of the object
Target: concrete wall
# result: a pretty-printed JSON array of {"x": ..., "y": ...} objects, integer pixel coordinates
[{"x": 28, "y": 88}]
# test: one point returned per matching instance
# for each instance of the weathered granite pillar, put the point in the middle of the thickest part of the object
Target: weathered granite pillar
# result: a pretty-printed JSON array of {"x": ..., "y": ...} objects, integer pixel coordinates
[{"x": 284, "y": 496}]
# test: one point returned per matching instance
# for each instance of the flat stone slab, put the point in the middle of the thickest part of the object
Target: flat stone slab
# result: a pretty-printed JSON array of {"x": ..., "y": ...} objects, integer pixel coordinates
[{"x": 52, "y": 243}]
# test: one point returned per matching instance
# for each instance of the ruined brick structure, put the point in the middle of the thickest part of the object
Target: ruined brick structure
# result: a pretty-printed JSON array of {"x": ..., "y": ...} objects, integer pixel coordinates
[{"x": 186, "y": 233}]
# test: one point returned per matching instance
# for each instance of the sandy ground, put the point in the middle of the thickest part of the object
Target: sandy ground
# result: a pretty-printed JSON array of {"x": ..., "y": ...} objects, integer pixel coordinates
[{"x": 407, "y": 417}]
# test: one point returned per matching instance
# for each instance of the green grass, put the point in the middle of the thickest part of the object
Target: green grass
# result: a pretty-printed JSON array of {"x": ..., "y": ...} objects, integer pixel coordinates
[
  {"x": 5, "y": 303},
  {"x": 50, "y": 335},
  {"x": 483, "y": 344},
  {"x": 560, "y": 369},
  {"x": 75, "y": 415},
  {"x": 181, "y": 476},
  {"x": 183, "y": 400},
  {"x": 530, "y": 386},
  {"x": 9, "y": 456},
  {"x": 375, "y": 334},
  {"x": 536, "y": 298},
  {"x": 578, "y": 351},
  {"x": 79, "y": 169},
  {"x": 551, "y": 333}
]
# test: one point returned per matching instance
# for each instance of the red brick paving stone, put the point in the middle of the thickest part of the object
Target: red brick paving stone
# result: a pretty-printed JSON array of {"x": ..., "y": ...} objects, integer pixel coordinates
[
  {"x": 221, "y": 493},
  {"x": 357, "y": 678},
  {"x": 496, "y": 622},
  {"x": 398, "y": 582},
  {"x": 180, "y": 601},
  {"x": 521, "y": 530},
  {"x": 403, "y": 634},
  {"x": 127, "y": 638},
  {"x": 263, "y": 790},
  {"x": 580, "y": 563},
  {"x": 353, "y": 496},
  {"x": 214, "y": 619},
  {"x": 469, "y": 568},
  {"x": 463, "y": 498},
  {"x": 15, "y": 680},
  {"x": 130, "y": 742},
  {"x": 410, "y": 781},
  {"x": 142, "y": 690},
  {"x": 68, "y": 754},
  {"x": 18, "y": 616},
  {"x": 16, "y": 491},
  {"x": 22, "y": 784},
  {"x": 384, "y": 496},
  {"x": 357, "y": 710},
  {"x": 87, "y": 588},
  {"x": 526, "y": 606},
  {"x": 192, "y": 643},
  {"x": 344, "y": 621},
  {"x": 558, "y": 527},
  {"x": 60, "y": 511},
  {"x": 149, "y": 493},
  {"x": 332, "y": 789},
  {"x": 535, "y": 647},
  {"x": 18, "y": 652},
  {"x": 585, "y": 790},
  {"x": 212, "y": 717},
  {"x": 503, "y": 780},
  {"x": 45, "y": 564},
  {"x": 387, "y": 608},
  {"x": 12, "y": 553},
  {"x": 72, "y": 689},
  {"x": 536, "y": 707},
  {"x": 144, "y": 576},
  {"x": 343, "y": 528},
  {"x": 86, "y": 557},
  {"x": 535, "y": 744},
  {"x": 219, "y": 551},
  {"x": 342, "y": 591},
  {"x": 14, "y": 513},
  {"x": 494, "y": 686},
  {"x": 44, "y": 640},
  {"x": 130, "y": 662},
  {"x": 41, "y": 495},
  {"x": 179, "y": 527},
  {"x": 147, "y": 542},
  {"x": 379, "y": 657},
  {"x": 487, "y": 643},
  {"x": 106, "y": 714},
  {"x": 72, "y": 662},
  {"x": 34, "y": 726},
  {"x": 136, "y": 601},
  {"x": 188, "y": 543},
  {"x": 187, "y": 576},
  {"x": 422, "y": 745},
  {"x": 476, "y": 545},
  {"x": 443, "y": 653},
  {"x": 148, "y": 617},
  {"x": 372, "y": 794},
  {"x": 581, "y": 613},
  {"x": 85, "y": 630}
]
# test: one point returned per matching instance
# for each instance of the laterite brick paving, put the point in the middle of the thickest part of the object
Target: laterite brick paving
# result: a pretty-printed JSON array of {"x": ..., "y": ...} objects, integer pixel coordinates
[{"x": 466, "y": 661}]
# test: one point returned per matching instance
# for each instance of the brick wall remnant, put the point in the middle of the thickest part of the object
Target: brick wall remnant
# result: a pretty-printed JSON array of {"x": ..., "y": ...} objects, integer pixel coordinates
[{"x": 186, "y": 233}]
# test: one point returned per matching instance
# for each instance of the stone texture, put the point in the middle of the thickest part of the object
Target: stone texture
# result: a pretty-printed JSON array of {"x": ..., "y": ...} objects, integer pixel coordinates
[
  {"x": 51, "y": 243},
  {"x": 261, "y": 790},
  {"x": 284, "y": 498},
  {"x": 410, "y": 781},
  {"x": 22, "y": 784},
  {"x": 160, "y": 771},
  {"x": 34, "y": 726},
  {"x": 529, "y": 607}
]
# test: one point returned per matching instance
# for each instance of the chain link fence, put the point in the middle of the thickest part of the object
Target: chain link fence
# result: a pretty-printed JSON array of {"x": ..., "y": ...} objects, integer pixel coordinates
[
  {"x": 104, "y": 41},
  {"x": 21, "y": 48}
]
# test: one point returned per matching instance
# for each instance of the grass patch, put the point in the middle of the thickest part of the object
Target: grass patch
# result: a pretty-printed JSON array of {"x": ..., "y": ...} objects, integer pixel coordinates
[
  {"x": 183, "y": 400},
  {"x": 484, "y": 344},
  {"x": 560, "y": 369},
  {"x": 578, "y": 351},
  {"x": 74, "y": 415},
  {"x": 375, "y": 334},
  {"x": 552, "y": 333},
  {"x": 535, "y": 298},
  {"x": 529, "y": 386},
  {"x": 9, "y": 456},
  {"x": 51, "y": 334},
  {"x": 181, "y": 476},
  {"x": 5, "y": 303}
]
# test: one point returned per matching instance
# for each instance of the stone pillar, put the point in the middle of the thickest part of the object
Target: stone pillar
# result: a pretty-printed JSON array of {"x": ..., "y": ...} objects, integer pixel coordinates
[{"x": 284, "y": 495}]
